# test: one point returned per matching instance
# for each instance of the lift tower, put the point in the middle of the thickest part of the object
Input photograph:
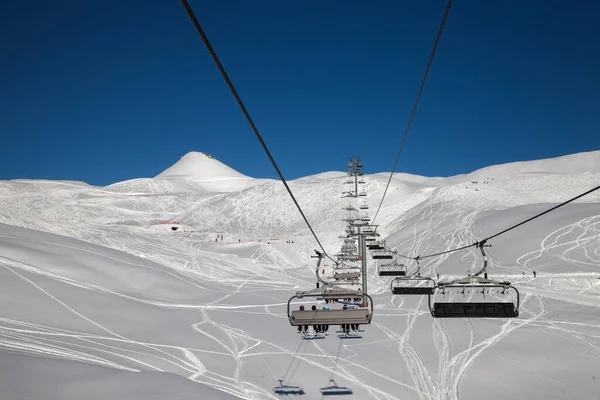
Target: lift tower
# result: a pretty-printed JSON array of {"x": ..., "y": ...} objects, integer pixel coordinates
[{"x": 358, "y": 226}]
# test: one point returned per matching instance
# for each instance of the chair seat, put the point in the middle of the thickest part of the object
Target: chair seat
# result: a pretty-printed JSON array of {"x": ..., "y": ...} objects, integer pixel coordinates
[
  {"x": 474, "y": 310},
  {"x": 391, "y": 272},
  {"x": 406, "y": 290}
]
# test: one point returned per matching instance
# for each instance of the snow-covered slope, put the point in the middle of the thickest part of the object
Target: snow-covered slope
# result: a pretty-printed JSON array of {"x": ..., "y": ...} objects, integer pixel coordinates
[
  {"x": 573, "y": 164},
  {"x": 123, "y": 292},
  {"x": 198, "y": 165}
]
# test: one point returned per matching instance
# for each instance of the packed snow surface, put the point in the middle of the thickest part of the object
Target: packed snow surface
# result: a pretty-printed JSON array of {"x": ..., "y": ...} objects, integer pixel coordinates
[{"x": 176, "y": 287}]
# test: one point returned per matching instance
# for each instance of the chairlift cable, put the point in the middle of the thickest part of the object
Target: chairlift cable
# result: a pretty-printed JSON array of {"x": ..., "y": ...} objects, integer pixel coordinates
[
  {"x": 396, "y": 253},
  {"x": 446, "y": 252},
  {"x": 540, "y": 214},
  {"x": 210, "y": 49},
  {"x": 414, "y": 109},
  {"x": 482, "y": 242}
]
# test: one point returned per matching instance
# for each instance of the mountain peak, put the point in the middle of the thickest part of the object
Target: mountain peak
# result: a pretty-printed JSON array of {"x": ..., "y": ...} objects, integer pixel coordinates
[{"x": 199, "y": 165}]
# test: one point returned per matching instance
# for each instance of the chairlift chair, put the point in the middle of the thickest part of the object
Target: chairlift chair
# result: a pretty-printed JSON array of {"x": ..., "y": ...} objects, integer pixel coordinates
[
  {"x": 375, "y": 246},
  {"x": 382, "y": 255},
  {"x": 481, "y": 309},
  {"x": 332, "y": 389},
  {"x": 364, "y": 206},
  {"x": 346, "y": 267},
  {"x": 287, "y": 389},
  {"x": 392, "y": 269},
  {"x": 359, "y": 315},
  {"x": 413, "y": 285},
  {"x": 346, "y": 275}
]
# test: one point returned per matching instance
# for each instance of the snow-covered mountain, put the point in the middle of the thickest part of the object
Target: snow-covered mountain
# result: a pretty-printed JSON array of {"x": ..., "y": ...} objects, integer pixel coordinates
[{"x": 124, "y": 292}]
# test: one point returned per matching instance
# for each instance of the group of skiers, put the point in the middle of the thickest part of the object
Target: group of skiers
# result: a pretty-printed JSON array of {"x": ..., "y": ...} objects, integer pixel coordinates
[
  {"x": 318, "y": 328},
  {"x": 345, "y": 328}
]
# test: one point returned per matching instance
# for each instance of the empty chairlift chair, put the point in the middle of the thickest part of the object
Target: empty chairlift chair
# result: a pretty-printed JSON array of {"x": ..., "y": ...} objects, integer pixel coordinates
[
  {"x": 332, "y": 389},
  {"x": 369, "y": 230},
  {"x": 383, "y": 255},
  {"x": 346, "y": 256},
  {"x": 475, "y": 286},
  {"x": 375, "y": 246},
  {"x": 392, "y": 269},
  {"x": 287, "y": 389},
  {"x": 413, "y": 285},
  {"x": 346, "y": 275}
]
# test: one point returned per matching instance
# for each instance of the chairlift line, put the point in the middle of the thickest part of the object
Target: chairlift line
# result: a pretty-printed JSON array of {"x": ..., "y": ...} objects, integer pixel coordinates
[
  {"x": 233, "y": 91},
  {"x": 414, "y": 109},
  {"x": 484, "y": 241}
]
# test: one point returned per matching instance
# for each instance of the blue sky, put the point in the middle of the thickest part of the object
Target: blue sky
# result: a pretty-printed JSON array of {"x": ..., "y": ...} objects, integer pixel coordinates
[{"x": 107, "y": 91}]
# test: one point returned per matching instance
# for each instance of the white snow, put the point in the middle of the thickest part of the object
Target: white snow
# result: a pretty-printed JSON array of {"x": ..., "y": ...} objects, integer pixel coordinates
[
  {"x": 197, "y": 171},
  {"x": 198, "y": 165},
  {"x": 101, "y": 299}
]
